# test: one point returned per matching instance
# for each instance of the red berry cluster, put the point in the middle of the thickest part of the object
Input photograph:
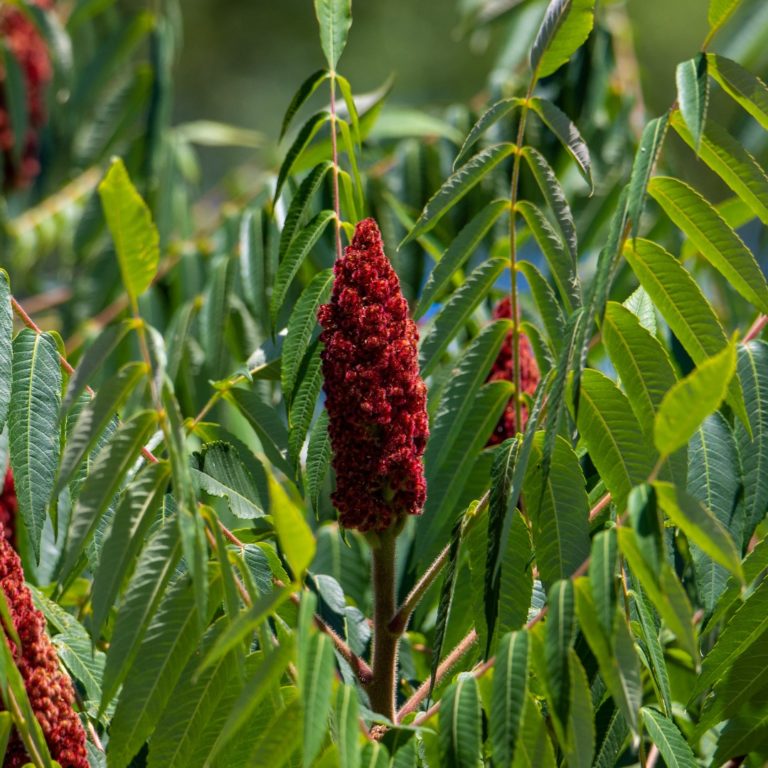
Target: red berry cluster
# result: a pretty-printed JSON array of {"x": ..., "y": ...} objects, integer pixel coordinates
[
  {"x": 48, "y": 688},
  {"x": 28, "y": 47},
  {"x": 9, "y": 505},
  {"x": 502, "y": 370},
  {"x": 375, "y": 398}
]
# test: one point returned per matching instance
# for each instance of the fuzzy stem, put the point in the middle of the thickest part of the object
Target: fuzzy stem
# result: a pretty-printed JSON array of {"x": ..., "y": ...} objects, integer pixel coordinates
[
  {"x": 445, "y": 666},
  {"x": 381, "y": 689},
  {"x": 400, "y": 620}
]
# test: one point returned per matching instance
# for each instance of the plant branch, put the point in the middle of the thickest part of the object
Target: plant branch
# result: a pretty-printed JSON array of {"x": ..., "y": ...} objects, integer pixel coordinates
[
  {"x": 445, "y": 666},
  {"x": 381, "y": 689}
]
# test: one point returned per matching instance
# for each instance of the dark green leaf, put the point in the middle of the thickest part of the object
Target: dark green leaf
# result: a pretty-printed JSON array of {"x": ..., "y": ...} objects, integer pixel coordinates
[
  {"x": 300, "y": 247},
  {"x": 693, "y": 94},
  {"x": 510, "y": 689},
  {"x": 318, "y": 459},
  {"x": 315, "y": 677},
  {"x": 460, "y": 716},
  {"x": 490, "y": 117},
  {"x": 665, "y": 735},
  {"x": 6, "y": 347},
  {"x": 300, "y": 143},
  {"x": 33, "y": 427},
  {"x": 567, "y": 133},
  {"x": 648, "y": 150},
  {"x": 565, "y": 27},
  {"x": 457, "y": 185},
  {"x": 335, "y": 19},
  {"x": 305, "y": 90}
]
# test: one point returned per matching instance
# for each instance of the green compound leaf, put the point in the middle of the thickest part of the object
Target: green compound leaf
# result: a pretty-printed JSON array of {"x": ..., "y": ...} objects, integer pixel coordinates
[
  {"x": 136, "y": 239},
  {"x": 691, "y": 400},
  {"x": 33, "y": 426}
]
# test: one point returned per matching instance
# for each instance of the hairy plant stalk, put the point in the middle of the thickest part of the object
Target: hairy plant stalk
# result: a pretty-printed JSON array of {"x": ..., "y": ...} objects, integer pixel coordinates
[{"x": 381, "y": 689}]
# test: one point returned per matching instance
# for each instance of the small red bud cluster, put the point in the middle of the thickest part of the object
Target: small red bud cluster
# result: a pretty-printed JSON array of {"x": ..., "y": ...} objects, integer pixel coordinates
[
  {"x": 375, "y": 397},
  {"x": 503, "y": 370},
  {"x": 48, "y": 688},
  {"x": 9, "y": 506},
  {"x": 25, "y": 43}
]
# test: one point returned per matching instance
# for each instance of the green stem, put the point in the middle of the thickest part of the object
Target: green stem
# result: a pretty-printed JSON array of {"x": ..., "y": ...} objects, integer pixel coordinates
[
  {"x": 381, "y": 689},
  {"x": 513, "y": 190}
]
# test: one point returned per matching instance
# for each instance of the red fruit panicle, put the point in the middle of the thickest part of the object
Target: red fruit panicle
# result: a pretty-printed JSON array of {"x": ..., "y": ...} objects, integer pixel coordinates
[
  {"x": 29, "y": 49},
  {"x": 9, "y": 506},
  {"x": 503, "y": 370},
  {"x": 48, "y": 688},
  {"x": 375, "y": 397}
]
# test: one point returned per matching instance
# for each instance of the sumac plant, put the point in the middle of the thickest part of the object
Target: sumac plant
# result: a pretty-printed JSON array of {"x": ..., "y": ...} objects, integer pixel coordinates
[{"x": 443, "y": 442}]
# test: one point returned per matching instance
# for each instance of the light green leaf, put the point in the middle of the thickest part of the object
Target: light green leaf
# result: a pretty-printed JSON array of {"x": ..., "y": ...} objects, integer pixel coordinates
[
  {"x": 565, "y": 27},
  {"x": 567, "y": 133},
  {"x": 732, "y": 163},
  {"x": 716, "y": 241},
  {"x": 691, "y": 400},
  {"x": 666, "y": 736},
  {"x": 509, "y": 693},
  {"x": 315, "y": 676},
  {"x": 297, "y": 252},
  {"x": 742, "y": 86},
  {"x": 664, "y": 590},
  {"x": 457, "y": 185},
  {"x": 460, "y": 720},
  {"x": 457, "y": 310},
  {"x": 700, "y": 526},
  {"x": 136, "y": 239},
  {"x": 295, "y": 536},
  {"x": 615, "y": 653},
  {"x": 335, "y": 19},
  {"x": 693, "y": 94},
  {"x": 720, "y": 11},
  {"x": 33, "y": 427},
  {"x": 534, "y": 749}
]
